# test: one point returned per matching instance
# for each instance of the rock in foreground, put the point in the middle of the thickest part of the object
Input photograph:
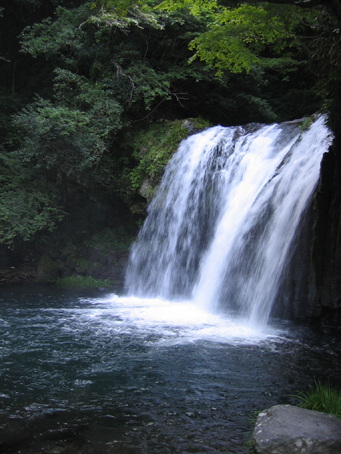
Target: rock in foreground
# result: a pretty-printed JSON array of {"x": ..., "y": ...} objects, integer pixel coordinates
[{"x": 285, "y": 429}]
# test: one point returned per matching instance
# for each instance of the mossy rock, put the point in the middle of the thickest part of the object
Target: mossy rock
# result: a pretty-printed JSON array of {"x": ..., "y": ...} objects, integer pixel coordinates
[
  {"x": 153, "y": 148},
  {"x": 148, "y": 191},
  {"x": 46, "y": 269}
]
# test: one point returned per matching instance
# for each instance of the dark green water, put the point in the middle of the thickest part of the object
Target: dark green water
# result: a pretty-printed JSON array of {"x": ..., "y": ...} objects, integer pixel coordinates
[{"x": 89, "y": 372}]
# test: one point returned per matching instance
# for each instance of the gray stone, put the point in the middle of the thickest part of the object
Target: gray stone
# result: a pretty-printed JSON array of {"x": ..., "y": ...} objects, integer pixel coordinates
[
  {"x": 285, "y": 429},
  {"x": 148, "y": 190}
]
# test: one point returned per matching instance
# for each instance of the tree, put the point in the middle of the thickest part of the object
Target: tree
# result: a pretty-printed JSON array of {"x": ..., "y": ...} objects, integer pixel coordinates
[
  {"x": 281, "y": 35},
  {"x": 85, "y": 75},
  {"x": 27, "y": 204}
]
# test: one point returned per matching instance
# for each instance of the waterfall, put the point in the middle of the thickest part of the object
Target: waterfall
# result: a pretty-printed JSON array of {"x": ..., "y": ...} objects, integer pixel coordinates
[{"x": 221, "y": 227}]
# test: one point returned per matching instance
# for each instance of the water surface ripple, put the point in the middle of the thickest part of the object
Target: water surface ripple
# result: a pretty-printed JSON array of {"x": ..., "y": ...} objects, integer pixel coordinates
[{"x": 89, "y": 372}]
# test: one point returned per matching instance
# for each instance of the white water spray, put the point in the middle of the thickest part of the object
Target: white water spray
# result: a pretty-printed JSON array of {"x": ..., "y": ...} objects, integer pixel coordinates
[{"x": 221, "y": 228}]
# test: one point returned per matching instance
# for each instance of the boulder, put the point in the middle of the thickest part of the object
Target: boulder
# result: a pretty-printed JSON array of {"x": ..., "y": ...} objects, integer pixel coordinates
[{"x": 285, "y": 429}]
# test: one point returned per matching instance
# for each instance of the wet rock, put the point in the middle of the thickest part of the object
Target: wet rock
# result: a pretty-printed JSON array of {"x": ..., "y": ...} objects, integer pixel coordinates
[
  {"x": 192, "y": 127},
  {"x": 148, "y": 190},
  {"x": 284, "y": 429}
]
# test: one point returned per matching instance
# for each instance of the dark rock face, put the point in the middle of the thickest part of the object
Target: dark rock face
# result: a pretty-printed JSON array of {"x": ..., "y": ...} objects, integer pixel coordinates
[
  {"x": 285, "y": 429},
  {"x": 294, "y": 287},
  {"x": 311, "y": 286},
  {"x": 324, "y": 301}
]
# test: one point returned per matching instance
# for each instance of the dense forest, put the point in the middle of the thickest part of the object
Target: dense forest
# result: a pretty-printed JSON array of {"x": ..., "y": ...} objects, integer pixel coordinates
[{"x": 96, "y": 96}]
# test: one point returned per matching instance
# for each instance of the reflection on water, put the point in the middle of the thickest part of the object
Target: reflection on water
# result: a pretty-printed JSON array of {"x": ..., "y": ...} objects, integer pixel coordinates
[{"x": 90, "y": 372}]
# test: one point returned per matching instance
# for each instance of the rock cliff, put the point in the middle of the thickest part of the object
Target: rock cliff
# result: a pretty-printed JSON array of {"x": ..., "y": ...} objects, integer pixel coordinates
[{"x": 324, "y": 300}]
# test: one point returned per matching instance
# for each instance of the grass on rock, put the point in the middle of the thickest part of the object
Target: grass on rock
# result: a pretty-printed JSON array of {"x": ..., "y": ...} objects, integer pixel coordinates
[
  {"x": 83, "y": 281},
  {"x": 322, "y": 398}
]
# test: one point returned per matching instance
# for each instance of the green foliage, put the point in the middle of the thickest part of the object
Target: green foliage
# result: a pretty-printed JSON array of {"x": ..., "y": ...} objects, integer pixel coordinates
[
  {"x": 195, "y": 7},
  {"x": 58, "y": 136},
  {"x": 235, "y": 37},
  {"x": 23, "y": 213},
  {"x": 147, "y": 84},
  {"x": 123, "y": 14},
  {"x": 154, "y": 148},
  {"x": 244, "y": 33},
  {"x": 144, "y": 66},
  {"x": 278, "y": 36},
  {"x": 83, "y": 281},
  {"x": 101, "y": 69},
  {"x": 223, "y": 52},
  {"x": 62, "y": 37},
  {"x": 26, "y": 205},
  {"x": 306, "y": 123},
  {"x": 323, "y": 398}
]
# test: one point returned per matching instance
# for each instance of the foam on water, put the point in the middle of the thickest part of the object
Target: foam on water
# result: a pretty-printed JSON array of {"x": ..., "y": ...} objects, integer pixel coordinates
[{"x": 170, "y": 322}]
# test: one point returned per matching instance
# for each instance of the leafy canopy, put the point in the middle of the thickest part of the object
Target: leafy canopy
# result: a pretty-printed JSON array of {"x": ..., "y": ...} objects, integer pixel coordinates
[
  {"x": 237, "y": 38},
  {"x": 102, "y": 68},
  {"x": 123, "y": 13}
]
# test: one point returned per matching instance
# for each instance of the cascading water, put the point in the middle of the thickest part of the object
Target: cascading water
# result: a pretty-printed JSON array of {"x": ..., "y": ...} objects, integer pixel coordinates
[{"x": 221, "y": 228}]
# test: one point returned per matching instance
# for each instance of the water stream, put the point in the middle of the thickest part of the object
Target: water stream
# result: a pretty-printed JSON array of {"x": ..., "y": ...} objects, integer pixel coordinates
[{"x": 180, "y": 363}]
